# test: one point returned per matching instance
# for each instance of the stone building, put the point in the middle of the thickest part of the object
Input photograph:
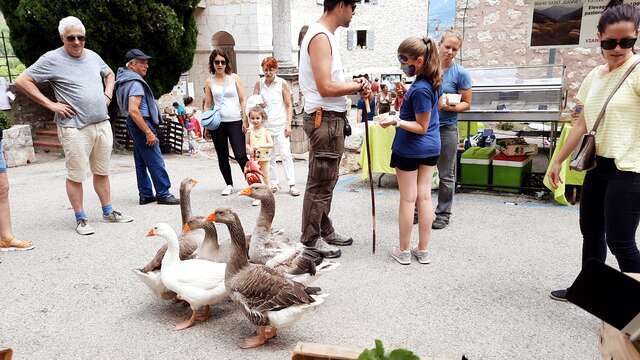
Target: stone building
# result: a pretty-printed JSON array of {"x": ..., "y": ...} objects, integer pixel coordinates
[{"x": 244, "y": 29}]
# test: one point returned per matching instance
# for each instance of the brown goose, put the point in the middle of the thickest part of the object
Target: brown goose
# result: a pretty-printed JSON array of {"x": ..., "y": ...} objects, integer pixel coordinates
[
  {"x": 264, "y": 242},
  {"x": 210, "y": 248},
  {"x": 301, "y": 263},
  {"x": 267, "y": 298},
  {"x": 150, "y": 273}
]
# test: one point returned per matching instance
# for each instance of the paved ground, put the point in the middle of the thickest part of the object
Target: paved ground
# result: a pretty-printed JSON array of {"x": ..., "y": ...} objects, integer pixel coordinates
[{"x": 485, "y": 295}]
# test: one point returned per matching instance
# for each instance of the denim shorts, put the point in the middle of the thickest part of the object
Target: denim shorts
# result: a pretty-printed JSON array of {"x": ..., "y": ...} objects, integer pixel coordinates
[{"x": 3, "y": 163}]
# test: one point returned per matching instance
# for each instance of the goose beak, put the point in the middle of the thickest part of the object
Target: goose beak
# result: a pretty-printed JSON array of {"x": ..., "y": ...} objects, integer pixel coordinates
[
  {"x": 186, "y": 228},
  {"x": 152, "y": 232},
  {"x": 211, "y": 217},
  {"x": 246, "y": 191}
]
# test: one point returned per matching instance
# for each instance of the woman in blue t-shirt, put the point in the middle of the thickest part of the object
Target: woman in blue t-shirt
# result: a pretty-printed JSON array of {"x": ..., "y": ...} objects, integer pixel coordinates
[
  {"x": 455, "y": 81},
  {"x": 416, "y": 146}
]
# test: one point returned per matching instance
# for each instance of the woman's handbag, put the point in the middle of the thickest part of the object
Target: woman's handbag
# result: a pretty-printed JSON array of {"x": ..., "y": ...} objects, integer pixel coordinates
[
  {"x": 211, "y": 119},
  {"x": 585, "y": 158}
]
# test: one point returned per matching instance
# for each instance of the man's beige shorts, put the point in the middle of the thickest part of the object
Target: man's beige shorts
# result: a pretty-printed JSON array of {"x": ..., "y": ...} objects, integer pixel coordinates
[{"x": 87, "y": 149}]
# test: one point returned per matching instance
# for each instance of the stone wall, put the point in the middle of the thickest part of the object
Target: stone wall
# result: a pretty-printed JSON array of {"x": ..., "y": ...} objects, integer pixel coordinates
[
  {"x": 25, "y": 111},
  {"x": 496, "y": 34}
]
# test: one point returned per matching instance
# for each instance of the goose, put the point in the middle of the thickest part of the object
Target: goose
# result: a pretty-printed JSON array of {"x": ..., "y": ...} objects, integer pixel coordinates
[
  {"x": 264, "y": 242},
  {"x": 150, "y": 273},
  {"x": 210, "y": 248},
  {"x": 298, "y": 262},
  {"x": 196, "y": 281},
  {"x": 266, "y": 297}
]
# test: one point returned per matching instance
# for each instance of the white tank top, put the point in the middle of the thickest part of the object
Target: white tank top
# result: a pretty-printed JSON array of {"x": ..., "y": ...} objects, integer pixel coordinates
[
  {"x": 230, "y": 105},
  {"x": 272, "y": 95},
  {"x": 312, "y": 97}
]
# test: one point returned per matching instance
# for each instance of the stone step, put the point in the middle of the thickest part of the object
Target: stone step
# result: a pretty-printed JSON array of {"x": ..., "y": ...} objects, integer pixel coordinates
[
  {"x": 47, "y": 146},
  {"x": 47, "y": 132}
]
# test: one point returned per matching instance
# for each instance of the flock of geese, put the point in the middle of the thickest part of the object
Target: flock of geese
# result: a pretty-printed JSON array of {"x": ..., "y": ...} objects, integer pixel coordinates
[{"x": 264, "y": 273}]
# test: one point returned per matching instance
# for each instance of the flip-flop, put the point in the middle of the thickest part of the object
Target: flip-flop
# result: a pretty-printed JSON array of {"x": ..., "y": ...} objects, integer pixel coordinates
[{"x": 15, "y": 245}]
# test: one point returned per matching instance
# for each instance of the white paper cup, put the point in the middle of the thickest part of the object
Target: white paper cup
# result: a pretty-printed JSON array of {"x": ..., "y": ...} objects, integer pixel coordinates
[{"x": 453, "y": 99}]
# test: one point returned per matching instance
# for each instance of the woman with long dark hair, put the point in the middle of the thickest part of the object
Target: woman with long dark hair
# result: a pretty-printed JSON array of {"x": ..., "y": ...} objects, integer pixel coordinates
[
  {"x": 225, "y": 89},
  {"x": 610, "y": 202}
]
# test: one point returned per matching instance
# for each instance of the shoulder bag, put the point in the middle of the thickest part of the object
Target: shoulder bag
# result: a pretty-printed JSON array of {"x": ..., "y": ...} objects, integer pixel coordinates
[{"x": 211, "y": 119}]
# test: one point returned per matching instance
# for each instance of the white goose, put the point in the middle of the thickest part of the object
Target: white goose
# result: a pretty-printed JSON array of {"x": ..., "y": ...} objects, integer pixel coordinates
[{"x": 198, "y": 282}]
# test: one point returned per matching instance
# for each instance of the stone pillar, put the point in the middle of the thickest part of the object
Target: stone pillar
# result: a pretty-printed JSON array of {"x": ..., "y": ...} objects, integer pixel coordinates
[{"x": 281, "y": 28}]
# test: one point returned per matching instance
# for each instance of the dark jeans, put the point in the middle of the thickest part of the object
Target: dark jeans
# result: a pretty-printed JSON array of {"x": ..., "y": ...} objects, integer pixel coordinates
[
  {"x": 326, "y": 145},
  {"x": 148, "y": 158},
  {"x": 609, "y": 214},
  {"x": 229, "y": 132}
]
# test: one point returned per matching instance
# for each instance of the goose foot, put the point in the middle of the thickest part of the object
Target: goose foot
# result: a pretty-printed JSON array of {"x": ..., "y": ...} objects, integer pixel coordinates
[
  {"x": 263, "y": 334},
  {"x": 187, "y": 323},
  {"x": 202, "y": 314}
]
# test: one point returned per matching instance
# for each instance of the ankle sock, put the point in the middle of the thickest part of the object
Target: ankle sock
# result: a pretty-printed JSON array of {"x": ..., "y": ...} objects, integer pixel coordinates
[
  {"x": 80, "y": 215},
  {"x": 107, "y": 210}
]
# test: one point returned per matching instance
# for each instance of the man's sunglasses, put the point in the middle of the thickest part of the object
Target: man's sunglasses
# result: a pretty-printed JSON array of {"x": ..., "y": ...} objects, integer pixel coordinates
[
  {"x": 73, "y": 38},
  {"x": 220, "y": 62},
  {"x": 611, "y": 44}
]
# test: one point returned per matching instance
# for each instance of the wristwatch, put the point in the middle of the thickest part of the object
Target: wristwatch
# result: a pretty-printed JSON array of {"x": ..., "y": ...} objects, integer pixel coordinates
[{"x": 398, "y": 123}]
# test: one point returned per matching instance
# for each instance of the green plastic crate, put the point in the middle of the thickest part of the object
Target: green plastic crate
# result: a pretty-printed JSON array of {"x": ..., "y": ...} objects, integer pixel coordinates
[
  {"x": 475, "y": 167},
  {"x": 511, "y": 174}
]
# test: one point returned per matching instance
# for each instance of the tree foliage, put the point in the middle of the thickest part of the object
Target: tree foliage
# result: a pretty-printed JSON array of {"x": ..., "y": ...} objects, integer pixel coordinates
[{"x": 164, "y": 29}]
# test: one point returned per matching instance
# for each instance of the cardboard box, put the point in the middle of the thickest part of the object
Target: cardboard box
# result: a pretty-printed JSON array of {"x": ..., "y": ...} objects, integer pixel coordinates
[{"x": 516, "y": 146}]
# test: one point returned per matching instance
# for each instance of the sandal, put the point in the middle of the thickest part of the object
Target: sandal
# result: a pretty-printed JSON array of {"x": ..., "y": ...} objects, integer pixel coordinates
[
  {"x": 14, "y": 244},
  {"x": 293, "y": 191},
  {"x": 275, "y": 189}
]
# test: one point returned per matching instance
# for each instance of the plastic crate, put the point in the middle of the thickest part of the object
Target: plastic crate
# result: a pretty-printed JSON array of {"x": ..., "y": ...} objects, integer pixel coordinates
[{"x": 510, "y": 173}]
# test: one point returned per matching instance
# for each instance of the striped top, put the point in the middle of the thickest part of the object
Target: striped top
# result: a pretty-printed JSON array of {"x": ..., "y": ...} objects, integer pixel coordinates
[{"x": 618, "y": 136}]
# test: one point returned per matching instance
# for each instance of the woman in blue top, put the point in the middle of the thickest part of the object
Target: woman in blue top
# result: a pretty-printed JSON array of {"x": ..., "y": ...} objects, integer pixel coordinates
[
  {"x": 416, "y": 146},
  {"x": 455, "y": 80}
]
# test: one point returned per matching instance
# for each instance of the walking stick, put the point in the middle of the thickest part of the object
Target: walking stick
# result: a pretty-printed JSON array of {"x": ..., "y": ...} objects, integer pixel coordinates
[{"x": 373, "y": 199}]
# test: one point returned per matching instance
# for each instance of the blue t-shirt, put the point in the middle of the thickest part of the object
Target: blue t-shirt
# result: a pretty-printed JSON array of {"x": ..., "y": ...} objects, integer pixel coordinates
[
  {"x": 138, "y": 90},
  {"x": 456, "y": 78},
  {"x": 420, "y": 98},
  {"x": 372, "y": 107}
]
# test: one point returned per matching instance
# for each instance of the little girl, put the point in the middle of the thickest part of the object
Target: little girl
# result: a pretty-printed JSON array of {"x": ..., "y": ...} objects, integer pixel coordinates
[{"x": 259, "y": 142}]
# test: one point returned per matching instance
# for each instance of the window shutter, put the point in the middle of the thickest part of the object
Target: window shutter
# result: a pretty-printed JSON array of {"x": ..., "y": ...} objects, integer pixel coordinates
[
  {"x": 371, "y": 38},
  {"x": 351, "y": 39}
]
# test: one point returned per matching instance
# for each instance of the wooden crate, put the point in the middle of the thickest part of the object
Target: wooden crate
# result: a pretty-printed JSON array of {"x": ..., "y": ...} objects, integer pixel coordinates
[
  {"x": 312, "y": 351},
  {"x": 170, "y": 134}
]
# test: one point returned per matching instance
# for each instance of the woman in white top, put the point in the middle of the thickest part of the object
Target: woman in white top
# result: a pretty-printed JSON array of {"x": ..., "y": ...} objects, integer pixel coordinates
[
  {"x": 276, "y": 99},
  {"x": 610, "y": 201},
  {"x": 225, "y": 89}
]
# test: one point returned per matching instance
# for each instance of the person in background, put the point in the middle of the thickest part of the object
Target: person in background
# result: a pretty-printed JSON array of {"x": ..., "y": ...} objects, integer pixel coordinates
[
  {"x": 384, "y": 100},
  {"x": 225, "y": 89},
  {"x": 8, "y": 241},
  {"x": 610, "y": 200},
  {"x": 83, "y": 86},
  {"x": 416, "y": 145},
  {"x": 276, "y": 97},
  {"x": 190, "y": 112},
  {"x": 375, "y": 87},
  {"x": 135, "y": 98},
  {"x": 373, "y": 107},
  {"x": 455, "y": 80},
  {"x": 400, "y": 90}
]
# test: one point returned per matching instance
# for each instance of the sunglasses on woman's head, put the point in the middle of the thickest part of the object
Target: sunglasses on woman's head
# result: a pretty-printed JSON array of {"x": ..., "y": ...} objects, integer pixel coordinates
[
  {"x": 611, "y": 44},
  {"x": 219, "y": 62}
]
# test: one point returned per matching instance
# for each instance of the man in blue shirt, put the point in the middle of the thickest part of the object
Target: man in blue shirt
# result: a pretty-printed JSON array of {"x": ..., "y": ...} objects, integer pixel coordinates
[{"x": 136, "y": 98}]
